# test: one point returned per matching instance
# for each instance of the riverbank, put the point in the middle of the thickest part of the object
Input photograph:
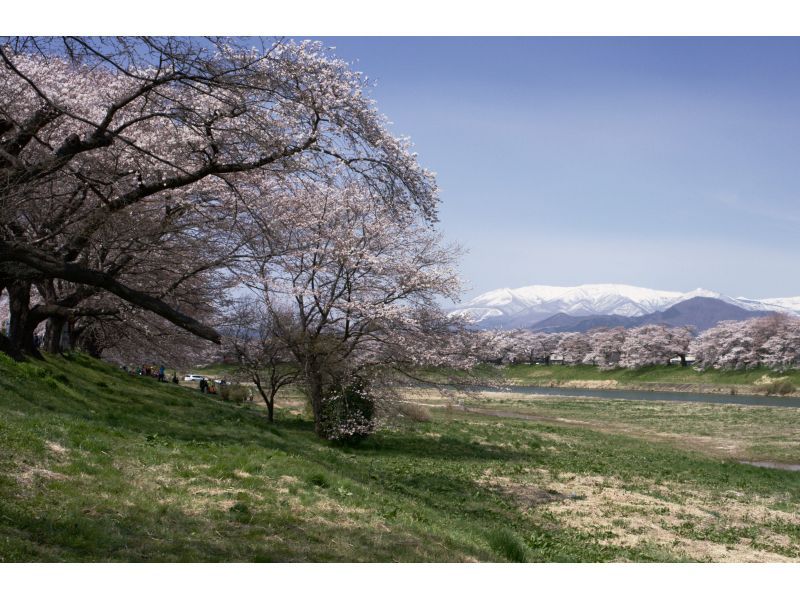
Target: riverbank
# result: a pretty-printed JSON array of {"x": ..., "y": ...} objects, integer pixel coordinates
[
  {"x": 656, "y": 378},
  {"x": 739, "y": 432},
  {"x": 648, "y": 379}
]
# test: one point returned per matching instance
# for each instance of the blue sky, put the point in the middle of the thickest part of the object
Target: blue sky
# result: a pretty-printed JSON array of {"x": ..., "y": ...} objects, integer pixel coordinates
[{"x": 670, "y": 163}]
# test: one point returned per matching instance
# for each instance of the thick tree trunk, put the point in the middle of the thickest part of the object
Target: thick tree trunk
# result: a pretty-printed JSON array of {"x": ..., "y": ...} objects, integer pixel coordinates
[
  {"x": 31, "y": 342},
  {"x": 21, "y": 328},
  {"x": 74, "y": 334},
  {"x": 19, "y": 297},
  {"x": 53, "y": 334}
]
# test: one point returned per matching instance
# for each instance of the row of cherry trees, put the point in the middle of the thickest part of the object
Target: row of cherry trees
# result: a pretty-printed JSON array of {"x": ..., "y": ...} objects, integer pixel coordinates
[
  {"x": 772, "y": 341},
  {"x": 604, "y": 347},
  {"x": 160, "y": 193}
]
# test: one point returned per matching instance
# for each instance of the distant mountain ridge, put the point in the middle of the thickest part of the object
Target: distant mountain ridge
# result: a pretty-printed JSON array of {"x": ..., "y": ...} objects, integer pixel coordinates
[
  {"x": 525, "y": 307},
  {"x": 700, "y": 312}
]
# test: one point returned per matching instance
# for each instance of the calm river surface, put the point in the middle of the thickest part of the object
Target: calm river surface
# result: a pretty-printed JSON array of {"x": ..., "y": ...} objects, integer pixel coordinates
[{"x": 640, "y": 395}]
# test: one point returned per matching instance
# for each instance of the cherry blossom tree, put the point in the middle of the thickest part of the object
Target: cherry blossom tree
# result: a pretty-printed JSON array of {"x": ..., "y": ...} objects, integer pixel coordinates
[
  {"x": 258, "y": 337},
  {"x": 498, "y": 346},
  {"x": 767, "y": 341},
  {"x": 605, "y": 347},
  {"x": 531, "y": 347},
  {"x": 573, "y": 347},
  {"x": 781, "y": 350},
  {"x": 654, "y": 345},
  {"x": 361, "y": 281},
  {"x": 114, "y": 148}
]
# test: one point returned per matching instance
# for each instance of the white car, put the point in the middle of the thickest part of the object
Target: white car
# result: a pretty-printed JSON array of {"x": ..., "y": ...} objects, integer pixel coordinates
[{"x": 193, "y": 378}]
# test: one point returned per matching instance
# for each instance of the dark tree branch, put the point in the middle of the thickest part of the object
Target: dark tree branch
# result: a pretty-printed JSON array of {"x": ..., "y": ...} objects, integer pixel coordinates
[{"x": 72, "y": 272}]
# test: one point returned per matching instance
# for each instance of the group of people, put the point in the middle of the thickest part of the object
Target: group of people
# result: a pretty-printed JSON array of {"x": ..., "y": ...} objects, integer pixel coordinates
[
  {"x": 209, "y": 386},
  {"x": 159, "y": 373}
]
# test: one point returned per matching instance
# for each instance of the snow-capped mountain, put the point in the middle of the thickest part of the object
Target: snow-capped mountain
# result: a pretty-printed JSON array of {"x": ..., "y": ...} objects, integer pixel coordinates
[
  {"x": 524, "y": 306},
  {"x": 785, "y": 304}
]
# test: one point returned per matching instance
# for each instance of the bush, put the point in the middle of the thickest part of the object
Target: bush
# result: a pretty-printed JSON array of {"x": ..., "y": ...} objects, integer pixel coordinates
[
  {"x": 415, "y": 412},
  {"x": 233, "y": 392},
  {"x": 348, "y": 413}
]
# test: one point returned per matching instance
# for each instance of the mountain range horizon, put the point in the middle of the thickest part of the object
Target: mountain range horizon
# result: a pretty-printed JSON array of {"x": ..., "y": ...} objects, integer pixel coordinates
[{"x": 581, "y": 307}]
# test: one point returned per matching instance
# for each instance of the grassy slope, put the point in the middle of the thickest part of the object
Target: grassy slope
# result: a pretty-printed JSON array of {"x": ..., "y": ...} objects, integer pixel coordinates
[{"x": 97, "y": 465}]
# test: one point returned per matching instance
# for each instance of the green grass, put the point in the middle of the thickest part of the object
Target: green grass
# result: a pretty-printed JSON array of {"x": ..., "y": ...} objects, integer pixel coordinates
[
  {"x": 509, "y": 545},
  {"x": 738, "y": 431},
  {"x": 97, "y": 465}
]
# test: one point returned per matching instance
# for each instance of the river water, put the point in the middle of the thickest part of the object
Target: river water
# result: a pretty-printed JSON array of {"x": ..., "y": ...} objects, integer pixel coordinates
[{"x": 641, "y": 395}]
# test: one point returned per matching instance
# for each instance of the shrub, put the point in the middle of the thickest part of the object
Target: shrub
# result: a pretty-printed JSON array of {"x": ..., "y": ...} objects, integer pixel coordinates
[
  {"x": 508, "y": 546},
  {"x": 348, "y": 413},
  {"x": 233, "y": 392},
  {"x": 415, "y": 412}
]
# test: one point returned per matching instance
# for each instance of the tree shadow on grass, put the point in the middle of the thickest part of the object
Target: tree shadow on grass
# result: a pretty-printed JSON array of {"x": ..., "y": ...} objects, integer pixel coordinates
[
  {"x": 93, "y": 532},
  {"x": 446, "y": 448}
]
